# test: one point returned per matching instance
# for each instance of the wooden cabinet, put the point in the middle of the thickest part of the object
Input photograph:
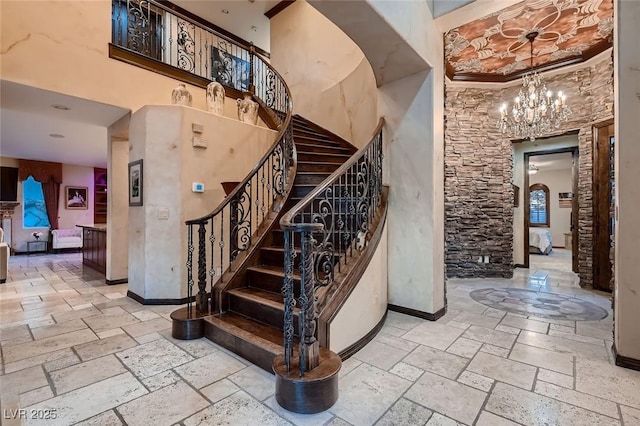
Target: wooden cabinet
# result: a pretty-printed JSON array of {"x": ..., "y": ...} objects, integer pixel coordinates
[
  {"x": 94, "y": 250},
  {"x": 100, "y": 195}
]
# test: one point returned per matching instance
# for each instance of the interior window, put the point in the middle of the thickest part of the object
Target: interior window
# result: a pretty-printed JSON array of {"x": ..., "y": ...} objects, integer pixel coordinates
[
  {"x": 539, "y": 205},
  {"x": 34, "y": 212}
]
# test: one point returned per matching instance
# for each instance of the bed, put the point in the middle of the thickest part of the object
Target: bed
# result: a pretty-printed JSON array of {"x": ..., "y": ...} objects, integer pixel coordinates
[{"x": 540, "y": 241}]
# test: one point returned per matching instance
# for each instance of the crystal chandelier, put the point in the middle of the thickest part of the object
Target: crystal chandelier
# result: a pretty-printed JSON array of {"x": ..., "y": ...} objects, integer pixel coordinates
[{"x": 534, "y": 112}]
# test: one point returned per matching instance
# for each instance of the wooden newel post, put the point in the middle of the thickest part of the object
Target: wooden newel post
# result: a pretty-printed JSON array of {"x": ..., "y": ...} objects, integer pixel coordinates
[{"x": 309, "y": 347}]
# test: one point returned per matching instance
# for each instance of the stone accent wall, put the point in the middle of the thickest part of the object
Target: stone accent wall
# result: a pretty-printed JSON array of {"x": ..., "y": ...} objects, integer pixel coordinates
[{"x": 478, "y": 170}]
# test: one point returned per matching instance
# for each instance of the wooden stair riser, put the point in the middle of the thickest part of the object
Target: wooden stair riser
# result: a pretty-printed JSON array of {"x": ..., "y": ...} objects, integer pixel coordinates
[
  {"x": 304, "y": 146},
  {"x": 322, "y": 157},
  {"x": 260, "y": 353},
  {"x": 268, "y": 282},
  {"x": 310, "y": 178},
  {"x": 276, "y": 257},
  {"x": 316, "y": 140},
  {"x": 317, "y": 167},
  {"x": 262, "y": 312}
]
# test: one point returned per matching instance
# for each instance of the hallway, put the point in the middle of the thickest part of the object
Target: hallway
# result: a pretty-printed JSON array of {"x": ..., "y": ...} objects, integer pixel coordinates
[{"x": 541, "y": 357}]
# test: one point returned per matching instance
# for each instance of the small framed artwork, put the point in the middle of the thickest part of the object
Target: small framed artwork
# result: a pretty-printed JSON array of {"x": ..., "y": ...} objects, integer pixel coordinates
[
  {"x": 516, "y": 196},
  {"x": 76, "y": 197},
  {"x": 565, "y": 199},
  {"x": 135, "y": 183}
]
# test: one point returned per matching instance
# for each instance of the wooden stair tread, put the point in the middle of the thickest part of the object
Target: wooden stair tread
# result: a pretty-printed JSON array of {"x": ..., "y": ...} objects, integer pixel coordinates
[
  {"x": 263, "y": 335},
  {"x": 273, "y": 270},
  {"x": 258, "y": 295}
]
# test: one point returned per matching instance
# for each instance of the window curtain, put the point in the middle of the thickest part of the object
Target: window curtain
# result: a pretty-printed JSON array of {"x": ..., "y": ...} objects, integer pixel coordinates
[{"x": 50, "y": 176}]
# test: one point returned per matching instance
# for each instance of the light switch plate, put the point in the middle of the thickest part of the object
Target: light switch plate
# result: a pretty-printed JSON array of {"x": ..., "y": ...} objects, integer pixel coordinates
[
  {"x": 197, "y": 128},
  {"x": 197, "y": 187},
  {"x": 163, "y": 213}
]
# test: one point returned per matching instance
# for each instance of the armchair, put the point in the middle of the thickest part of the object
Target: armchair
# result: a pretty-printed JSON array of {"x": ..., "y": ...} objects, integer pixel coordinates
[{"x": 4, "y": 258}]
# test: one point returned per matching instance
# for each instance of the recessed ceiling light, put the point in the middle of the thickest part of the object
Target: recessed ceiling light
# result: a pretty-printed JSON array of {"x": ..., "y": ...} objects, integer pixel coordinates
[
  {"x": 61, "y": 107},
  {"x": 225, "y": 11},
  {"x": 56, "y": 135}
]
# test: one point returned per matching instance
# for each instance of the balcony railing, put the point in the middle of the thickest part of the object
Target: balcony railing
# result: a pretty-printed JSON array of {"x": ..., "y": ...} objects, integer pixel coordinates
[{"x": 155, "y": 36}]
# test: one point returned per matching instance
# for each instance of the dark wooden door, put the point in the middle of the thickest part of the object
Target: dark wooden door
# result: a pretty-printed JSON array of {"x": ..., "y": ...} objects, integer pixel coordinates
[{"x": 603, "y": 134}]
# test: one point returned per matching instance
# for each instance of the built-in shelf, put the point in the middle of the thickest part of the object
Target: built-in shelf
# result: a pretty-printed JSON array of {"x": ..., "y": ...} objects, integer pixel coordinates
[{"x": 100, "y": 195}]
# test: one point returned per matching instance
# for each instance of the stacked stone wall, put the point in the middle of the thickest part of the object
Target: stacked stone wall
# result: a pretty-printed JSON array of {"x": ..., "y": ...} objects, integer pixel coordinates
[{"x": 479, "y": 171}]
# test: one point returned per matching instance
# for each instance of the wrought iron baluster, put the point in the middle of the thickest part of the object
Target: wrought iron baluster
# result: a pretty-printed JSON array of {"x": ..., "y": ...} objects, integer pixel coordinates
[
  {"x": 212, "y": 269},
  {"x": 201, "y": 298},
  {"x": 189, "y": 270},
  {"x": 221, "y": 245},
  {"x": 309, "y": 347},
  {"x": 288, "y": 296}
]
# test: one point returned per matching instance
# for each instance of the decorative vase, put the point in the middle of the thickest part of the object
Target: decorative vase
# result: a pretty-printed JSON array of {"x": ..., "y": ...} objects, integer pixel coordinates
[
  {"x": 215, "y": 98},
  {"x": 247, "y": 110},
  {"x": 181, "y": 96}
]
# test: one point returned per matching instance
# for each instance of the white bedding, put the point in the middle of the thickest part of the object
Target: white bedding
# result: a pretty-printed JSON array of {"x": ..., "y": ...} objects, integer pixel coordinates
[{"x": 541, "y": 239}]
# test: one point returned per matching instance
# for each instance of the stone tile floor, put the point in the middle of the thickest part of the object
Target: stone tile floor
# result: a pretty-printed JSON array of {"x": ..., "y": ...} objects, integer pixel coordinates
[{"x": 81, "y": 351}]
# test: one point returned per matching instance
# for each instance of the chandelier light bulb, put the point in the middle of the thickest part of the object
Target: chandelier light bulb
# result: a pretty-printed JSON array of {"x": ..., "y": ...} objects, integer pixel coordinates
[{"x": 534, "y": 112}]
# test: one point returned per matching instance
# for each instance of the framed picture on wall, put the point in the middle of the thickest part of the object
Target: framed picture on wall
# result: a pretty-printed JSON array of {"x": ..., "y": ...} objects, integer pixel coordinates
[
  {"x": 76, "y": 197},
  {"x": 135, "y": 183},
  {"x": 516, "y": 196}
]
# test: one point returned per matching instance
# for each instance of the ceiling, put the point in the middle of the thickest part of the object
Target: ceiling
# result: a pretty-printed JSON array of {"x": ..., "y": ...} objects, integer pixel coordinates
[
  {"x": 560, "y": 161},
  {"x": 494, "y": 48},
  {"x": 245, "y": 18},
  {"x": 28, "y": 118}
]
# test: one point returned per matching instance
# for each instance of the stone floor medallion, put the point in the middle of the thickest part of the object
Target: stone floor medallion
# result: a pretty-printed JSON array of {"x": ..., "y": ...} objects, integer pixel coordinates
[{"x": 545, "y": 305}]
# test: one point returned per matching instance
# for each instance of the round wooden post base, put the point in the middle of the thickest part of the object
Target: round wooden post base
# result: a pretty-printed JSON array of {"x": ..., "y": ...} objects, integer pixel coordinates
[
  {"x": 315, "y": 392},
  {"x": 187, "y": 327}
]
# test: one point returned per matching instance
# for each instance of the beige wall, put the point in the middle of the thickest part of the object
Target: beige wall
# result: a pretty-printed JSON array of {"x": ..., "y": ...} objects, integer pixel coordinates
[
  {"x": 161, "y": 136},
  {"x": 330, "y": 79},
  {"x": 414, "y": 138},
  {"x": 118, "y": 210},
  {"x": 412, "y": 105},
  {"x": 71, "y": 175},
  {"x": 559, "y": 218},
  {"x": 627, "y": 175},
  {"x": 367, "y": 303},
  {"x": 72, "y": 38}
]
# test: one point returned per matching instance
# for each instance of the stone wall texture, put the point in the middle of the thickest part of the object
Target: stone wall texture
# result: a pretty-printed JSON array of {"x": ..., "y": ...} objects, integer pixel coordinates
[{"x": 479, "y": 169}]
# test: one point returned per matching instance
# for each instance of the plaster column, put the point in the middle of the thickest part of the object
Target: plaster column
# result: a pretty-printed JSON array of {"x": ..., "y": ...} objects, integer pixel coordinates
[
  {"x": 414, "y": 153},
  {"x": 117, "y": 211},
  {"x": 627, "y": 169}
]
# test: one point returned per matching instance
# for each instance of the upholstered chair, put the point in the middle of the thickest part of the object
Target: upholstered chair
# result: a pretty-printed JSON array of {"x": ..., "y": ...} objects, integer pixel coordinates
[{"x": 4, "y": 258}]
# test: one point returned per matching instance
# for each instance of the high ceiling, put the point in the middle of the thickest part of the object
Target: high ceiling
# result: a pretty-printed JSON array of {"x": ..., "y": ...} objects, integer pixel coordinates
[{"x": 495, "y": 47}]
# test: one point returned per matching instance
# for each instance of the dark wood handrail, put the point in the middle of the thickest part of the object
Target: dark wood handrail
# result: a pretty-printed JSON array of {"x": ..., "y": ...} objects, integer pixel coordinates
[
  {"x": 265, "y": 157},
  {"x": 287, "y": 223}
]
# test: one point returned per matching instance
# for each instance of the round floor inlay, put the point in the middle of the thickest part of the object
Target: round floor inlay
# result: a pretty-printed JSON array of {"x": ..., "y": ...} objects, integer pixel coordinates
[{"x": 545, "y": 305}]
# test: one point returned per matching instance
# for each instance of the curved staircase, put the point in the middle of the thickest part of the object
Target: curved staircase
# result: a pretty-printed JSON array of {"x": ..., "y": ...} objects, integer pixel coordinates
[{"x": 251, "y": 310}]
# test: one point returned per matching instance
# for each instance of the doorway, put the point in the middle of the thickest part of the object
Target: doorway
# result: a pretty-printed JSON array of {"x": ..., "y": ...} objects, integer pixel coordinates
[{"x": 551, "y": 208}]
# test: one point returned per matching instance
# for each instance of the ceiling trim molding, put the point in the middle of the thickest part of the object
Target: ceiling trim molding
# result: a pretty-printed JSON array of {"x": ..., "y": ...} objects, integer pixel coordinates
[
  {"x": 278, "y": 8},
  {"x": 497, "y": 78},
  {"x": 234, "y": 38}
]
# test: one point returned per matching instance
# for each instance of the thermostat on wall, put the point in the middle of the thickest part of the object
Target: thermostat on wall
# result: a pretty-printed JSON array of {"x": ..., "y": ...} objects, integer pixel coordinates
[{"x": 197, "y": 187}]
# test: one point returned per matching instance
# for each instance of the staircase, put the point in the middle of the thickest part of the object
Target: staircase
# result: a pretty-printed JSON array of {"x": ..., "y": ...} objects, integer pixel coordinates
[{"x": 252, "y": 316}]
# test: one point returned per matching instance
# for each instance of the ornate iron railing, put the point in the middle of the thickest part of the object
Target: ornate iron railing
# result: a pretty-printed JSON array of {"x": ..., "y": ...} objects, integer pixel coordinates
[
  {"x": 151, "y": 29},
  {"x": 333, "y": 222},
  {"x": 230, "y": 229}
]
